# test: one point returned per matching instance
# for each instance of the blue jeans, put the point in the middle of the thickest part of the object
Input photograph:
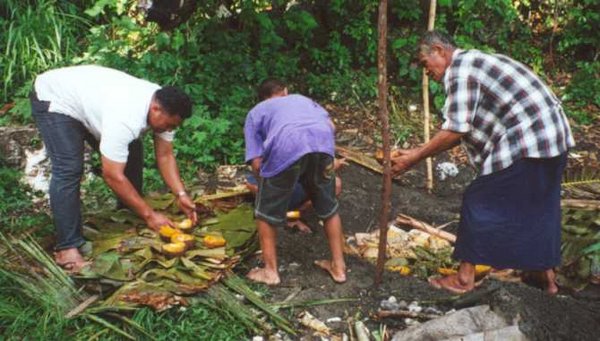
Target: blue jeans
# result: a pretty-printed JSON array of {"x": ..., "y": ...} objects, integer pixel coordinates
[{"x": 64, "y": 139}]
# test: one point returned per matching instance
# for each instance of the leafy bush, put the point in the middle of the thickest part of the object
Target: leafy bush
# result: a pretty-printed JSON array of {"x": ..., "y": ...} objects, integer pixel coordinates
[{"x": 582, "y": 95}]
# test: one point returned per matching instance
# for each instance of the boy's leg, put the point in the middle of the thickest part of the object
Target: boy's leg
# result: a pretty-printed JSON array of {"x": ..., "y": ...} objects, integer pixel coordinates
[
  {"x": 134, "y": 168},
  {"x": 336, "y": 266},
  {"x": 271, "y": 205},
  {"x": 320, "y": 182},
  {"x": 267, "y": 236}
]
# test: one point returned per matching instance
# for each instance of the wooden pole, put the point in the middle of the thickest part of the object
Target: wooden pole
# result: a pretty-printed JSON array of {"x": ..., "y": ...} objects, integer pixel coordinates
[
  {"x": 386, "y": 193},
  {"x": 426, "y": 116}
]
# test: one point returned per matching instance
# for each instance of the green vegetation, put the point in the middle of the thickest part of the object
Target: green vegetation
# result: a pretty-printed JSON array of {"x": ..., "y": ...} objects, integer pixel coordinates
[{"x": 326, "y": 49}]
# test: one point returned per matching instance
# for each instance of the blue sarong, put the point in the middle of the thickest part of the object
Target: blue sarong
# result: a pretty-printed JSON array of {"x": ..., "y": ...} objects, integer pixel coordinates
[{"x": 512, "y": 218}]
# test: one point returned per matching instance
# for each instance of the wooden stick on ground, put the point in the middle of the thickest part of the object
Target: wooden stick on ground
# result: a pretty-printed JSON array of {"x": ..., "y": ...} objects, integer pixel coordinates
[
  {"x": 410, "y": 221},
  {"x": 359, "y": 158},
  {"x": 405, "y": 314},
  {"x": 581, "y": 203},
  {"x": 386, "y": 193}
]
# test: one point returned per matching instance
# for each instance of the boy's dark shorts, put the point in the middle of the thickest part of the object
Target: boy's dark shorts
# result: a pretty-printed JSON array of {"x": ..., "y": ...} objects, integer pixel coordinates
[{"x": 314, "y": 171}]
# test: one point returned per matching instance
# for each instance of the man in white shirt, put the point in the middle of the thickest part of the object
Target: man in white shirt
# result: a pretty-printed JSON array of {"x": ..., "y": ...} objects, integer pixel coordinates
[{"x": 97, "y": 104}]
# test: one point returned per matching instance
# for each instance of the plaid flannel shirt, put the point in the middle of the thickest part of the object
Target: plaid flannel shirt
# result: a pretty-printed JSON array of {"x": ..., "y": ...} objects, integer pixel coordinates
[{"x": 506, "y": 112}]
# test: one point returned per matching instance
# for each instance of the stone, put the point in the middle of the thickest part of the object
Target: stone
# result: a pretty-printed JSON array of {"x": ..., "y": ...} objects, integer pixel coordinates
[{"x": 463, "y": 322}]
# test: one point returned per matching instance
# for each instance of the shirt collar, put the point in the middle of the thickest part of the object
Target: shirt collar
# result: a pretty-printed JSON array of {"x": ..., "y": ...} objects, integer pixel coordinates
[{"x": 454, "y": 55}]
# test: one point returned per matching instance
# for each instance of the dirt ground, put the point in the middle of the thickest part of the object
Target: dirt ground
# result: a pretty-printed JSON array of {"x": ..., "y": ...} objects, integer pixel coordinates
[{"x": 541, "y": 317}]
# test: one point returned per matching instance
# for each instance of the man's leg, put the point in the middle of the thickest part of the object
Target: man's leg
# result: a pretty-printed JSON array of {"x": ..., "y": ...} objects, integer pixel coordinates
[
  {"x": 63, "y": 139},
  {"x": 134, "y": 168}
]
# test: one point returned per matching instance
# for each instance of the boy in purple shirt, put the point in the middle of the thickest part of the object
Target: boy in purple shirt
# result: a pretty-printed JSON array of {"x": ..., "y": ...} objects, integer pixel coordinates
[{"x": 290, "y": 139}]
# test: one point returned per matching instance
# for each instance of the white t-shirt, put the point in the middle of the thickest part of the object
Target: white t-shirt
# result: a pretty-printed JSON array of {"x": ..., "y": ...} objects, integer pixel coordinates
[{"x": 111, "y": 104}]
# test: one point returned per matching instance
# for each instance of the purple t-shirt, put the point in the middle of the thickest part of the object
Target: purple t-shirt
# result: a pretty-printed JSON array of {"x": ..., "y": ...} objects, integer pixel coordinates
[{"x": 283, "y": 129}]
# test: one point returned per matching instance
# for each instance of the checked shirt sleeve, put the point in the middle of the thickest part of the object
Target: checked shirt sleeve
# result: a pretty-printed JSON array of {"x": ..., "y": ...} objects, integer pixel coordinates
[{"x": 461, "y": 104}]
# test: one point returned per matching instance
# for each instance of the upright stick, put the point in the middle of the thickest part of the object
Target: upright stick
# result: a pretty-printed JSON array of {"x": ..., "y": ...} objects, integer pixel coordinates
[
  {"x": 426, "y": 120},
  {"x": 385, "y": 133}
]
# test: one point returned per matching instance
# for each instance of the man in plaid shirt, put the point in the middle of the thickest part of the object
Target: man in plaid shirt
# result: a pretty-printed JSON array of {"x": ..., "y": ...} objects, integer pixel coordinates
[{"x": 516, "y": 134}]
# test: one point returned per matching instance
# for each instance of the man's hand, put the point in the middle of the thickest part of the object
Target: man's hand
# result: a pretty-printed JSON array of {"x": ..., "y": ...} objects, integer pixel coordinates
[
  {"x": 187, "y": 205},
  {"x": 403, "y": 159},
  {"x": 155, "y": 220}
]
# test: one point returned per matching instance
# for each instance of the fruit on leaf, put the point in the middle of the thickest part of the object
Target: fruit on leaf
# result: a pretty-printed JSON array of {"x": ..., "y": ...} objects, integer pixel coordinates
[
  {"x": 185, "y": 225},
  {"x": 166, "y": 232},
  {"x": 212, "y": 241},
  {"x": 187, "y": 239},
  {"x": 173, "y": 249}
]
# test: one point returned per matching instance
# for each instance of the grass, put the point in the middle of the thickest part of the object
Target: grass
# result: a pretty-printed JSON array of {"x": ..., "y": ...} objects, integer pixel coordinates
[
  {"x": 37, "y": 296},
  {"x": 37, "y": 35}
]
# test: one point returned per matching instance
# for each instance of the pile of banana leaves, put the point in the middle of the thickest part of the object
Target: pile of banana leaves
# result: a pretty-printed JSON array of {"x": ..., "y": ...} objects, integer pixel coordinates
[
  {"x": 580, "y": 248},
  {"x": 127, "y": 259}
]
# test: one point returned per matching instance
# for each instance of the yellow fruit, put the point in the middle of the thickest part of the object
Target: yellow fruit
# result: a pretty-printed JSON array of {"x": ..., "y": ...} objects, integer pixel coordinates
[
  {"x": 173, "y": 249},
  {"x": 482, "y": 269},
  {"x": 479, "y": 270},
  {"x": 293, "y": 215},
  {"x": 211, "y": 241},
  {"x": 185, "y": 225},
  {"x": 402, "y": 269},
  {"x": 166, "y": 232},
  {"x": 379, "y": 154},
  {"x": 187, "y": 239},
  {"x": 446, "y": 271}
]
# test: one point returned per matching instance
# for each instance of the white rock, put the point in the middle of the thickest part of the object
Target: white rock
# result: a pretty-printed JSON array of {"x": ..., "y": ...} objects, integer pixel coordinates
[{"x": 446, "y": 169}]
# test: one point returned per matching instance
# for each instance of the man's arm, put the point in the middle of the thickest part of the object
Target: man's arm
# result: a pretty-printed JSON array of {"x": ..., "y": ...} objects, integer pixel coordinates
[
  {"x": 167, "y": 166},
  {"x": 114, "y": 175},
  {"x": 443, "y": 140}
]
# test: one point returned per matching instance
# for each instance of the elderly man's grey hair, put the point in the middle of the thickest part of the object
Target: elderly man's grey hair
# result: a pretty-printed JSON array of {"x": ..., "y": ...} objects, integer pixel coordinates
[{"x": 431, "y": 38}]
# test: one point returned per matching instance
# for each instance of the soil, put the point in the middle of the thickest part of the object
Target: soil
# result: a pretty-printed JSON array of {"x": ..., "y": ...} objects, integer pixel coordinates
[{"x": 540, "y": 317}]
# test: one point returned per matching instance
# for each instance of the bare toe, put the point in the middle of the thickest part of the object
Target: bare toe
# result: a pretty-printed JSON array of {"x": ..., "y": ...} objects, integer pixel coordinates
[
  {"x": 338, "y": 275},
  {"x": 261, "y": 275}
]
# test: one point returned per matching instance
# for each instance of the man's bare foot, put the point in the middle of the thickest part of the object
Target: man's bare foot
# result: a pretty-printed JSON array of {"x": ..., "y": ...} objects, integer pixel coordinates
[
  {"x": 451, "y": 283},
  {"x": 262, "y": 275},
  {"x": 70, "y": 260},
  {"x": 545, "y": 280},
  {"x": 337, "y": 274},
  {"x": 300, "y": 225},
  {"x": 551, "y": 287}
]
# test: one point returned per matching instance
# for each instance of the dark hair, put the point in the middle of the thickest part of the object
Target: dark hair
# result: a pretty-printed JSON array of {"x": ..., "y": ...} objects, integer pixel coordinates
[
  {"x": 430, "y": 38},
  {"x": 270, "y": 87},
  {"x": 174, "y": 101}
]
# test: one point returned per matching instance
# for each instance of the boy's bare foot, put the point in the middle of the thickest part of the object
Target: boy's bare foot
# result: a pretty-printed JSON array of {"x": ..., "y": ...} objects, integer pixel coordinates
[
  {"x": 70, "y": 260},
  {"x": 300, "y": 225},
  {"x": 262, "y": 275},
  {"x": 338, "y": 275}
]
